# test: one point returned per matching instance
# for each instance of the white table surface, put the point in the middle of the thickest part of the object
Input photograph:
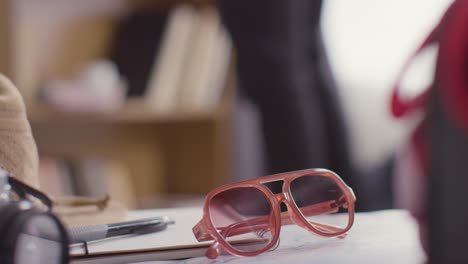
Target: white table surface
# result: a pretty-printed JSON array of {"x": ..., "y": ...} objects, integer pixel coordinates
[{"x": 381, "y": 237}]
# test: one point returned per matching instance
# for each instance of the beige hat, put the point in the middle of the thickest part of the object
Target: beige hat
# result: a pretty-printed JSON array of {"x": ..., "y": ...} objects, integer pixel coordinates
[{"x": 18, "y": 152}]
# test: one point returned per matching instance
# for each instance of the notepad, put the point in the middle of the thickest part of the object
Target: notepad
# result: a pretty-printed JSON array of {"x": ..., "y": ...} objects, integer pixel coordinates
[{"x": 176, "y": 242}]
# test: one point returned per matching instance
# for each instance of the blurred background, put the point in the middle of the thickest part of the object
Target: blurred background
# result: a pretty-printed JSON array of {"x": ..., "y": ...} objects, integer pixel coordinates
[{"x": 157, "y": 102}]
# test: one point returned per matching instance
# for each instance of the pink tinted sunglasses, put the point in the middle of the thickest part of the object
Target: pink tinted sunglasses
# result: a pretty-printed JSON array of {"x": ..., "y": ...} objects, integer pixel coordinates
[{"x": 249, "y": 209}]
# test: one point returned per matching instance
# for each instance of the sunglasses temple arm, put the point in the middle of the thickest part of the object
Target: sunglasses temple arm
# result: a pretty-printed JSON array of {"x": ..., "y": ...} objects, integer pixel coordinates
[
  {"x": 23, "y": 189},
  {"x": 312, "y": 210},
  {"x": 320, "y": 208}
]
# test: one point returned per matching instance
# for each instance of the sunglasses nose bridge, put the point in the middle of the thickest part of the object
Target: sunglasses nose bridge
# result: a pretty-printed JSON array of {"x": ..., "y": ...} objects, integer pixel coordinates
[{"x": 280, "y": 197}]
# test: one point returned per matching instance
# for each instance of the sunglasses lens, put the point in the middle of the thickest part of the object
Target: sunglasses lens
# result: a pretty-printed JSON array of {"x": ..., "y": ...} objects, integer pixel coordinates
[
  {"x": 242, "y": 213},
  {"x": 316, "y": 196},
  {"x": 40, "y": 241}
]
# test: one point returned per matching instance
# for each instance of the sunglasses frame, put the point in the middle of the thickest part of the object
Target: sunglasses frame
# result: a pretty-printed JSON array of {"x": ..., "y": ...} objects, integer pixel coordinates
[{"x": 204, "y": 230}]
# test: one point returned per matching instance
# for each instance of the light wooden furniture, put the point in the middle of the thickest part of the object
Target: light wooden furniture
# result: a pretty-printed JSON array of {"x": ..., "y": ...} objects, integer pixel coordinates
[
  {"x": 182, "y": 153},
  {"x": 165, "y": 153}
]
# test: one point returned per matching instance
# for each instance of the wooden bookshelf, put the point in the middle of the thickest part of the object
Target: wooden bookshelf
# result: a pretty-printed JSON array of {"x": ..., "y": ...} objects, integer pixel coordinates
[
  {"x": 133, "y": 111},
  {"x": 178, "y": 152}
]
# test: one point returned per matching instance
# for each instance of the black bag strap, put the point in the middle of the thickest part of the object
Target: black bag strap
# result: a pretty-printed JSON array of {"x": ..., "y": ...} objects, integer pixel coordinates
[{"x": 22, "y": 189}]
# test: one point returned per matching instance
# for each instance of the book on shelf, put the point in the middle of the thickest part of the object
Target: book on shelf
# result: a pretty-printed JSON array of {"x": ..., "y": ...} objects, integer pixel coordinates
[
  {"x": 167, "y": 70},
  {"x": 207, "y": 98},
  {"x": 191, "y": 65},
  {"x": 207, "y": 64}
]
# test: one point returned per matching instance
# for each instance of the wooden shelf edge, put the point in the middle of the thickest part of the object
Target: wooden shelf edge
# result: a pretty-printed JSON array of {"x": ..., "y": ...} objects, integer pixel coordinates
[{"x": 133, "y": 111}]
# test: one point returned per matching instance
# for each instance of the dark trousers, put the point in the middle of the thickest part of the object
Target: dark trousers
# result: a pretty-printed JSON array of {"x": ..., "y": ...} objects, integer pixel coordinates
[{"x": 283, "y": 70}]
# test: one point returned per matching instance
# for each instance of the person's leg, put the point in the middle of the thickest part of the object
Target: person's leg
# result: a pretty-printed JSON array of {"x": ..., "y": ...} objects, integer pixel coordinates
[
  {"x": 274, "y": 76},
  {"x": 279, "y": 60}
]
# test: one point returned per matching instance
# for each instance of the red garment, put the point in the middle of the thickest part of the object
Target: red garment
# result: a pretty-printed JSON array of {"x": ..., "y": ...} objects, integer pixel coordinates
[{"x": 451, "y": 80}]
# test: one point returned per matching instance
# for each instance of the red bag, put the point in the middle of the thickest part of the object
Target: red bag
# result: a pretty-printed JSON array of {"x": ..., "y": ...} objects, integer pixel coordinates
[{"x": 450, "y": 87}]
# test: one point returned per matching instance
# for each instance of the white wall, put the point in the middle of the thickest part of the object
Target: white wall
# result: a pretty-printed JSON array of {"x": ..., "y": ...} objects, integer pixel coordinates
[{"x": 367, "y": 43}]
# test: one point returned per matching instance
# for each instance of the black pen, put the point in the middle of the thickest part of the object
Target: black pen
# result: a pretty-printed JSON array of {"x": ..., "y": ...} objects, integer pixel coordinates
[{"x": 138, "y": 227}]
